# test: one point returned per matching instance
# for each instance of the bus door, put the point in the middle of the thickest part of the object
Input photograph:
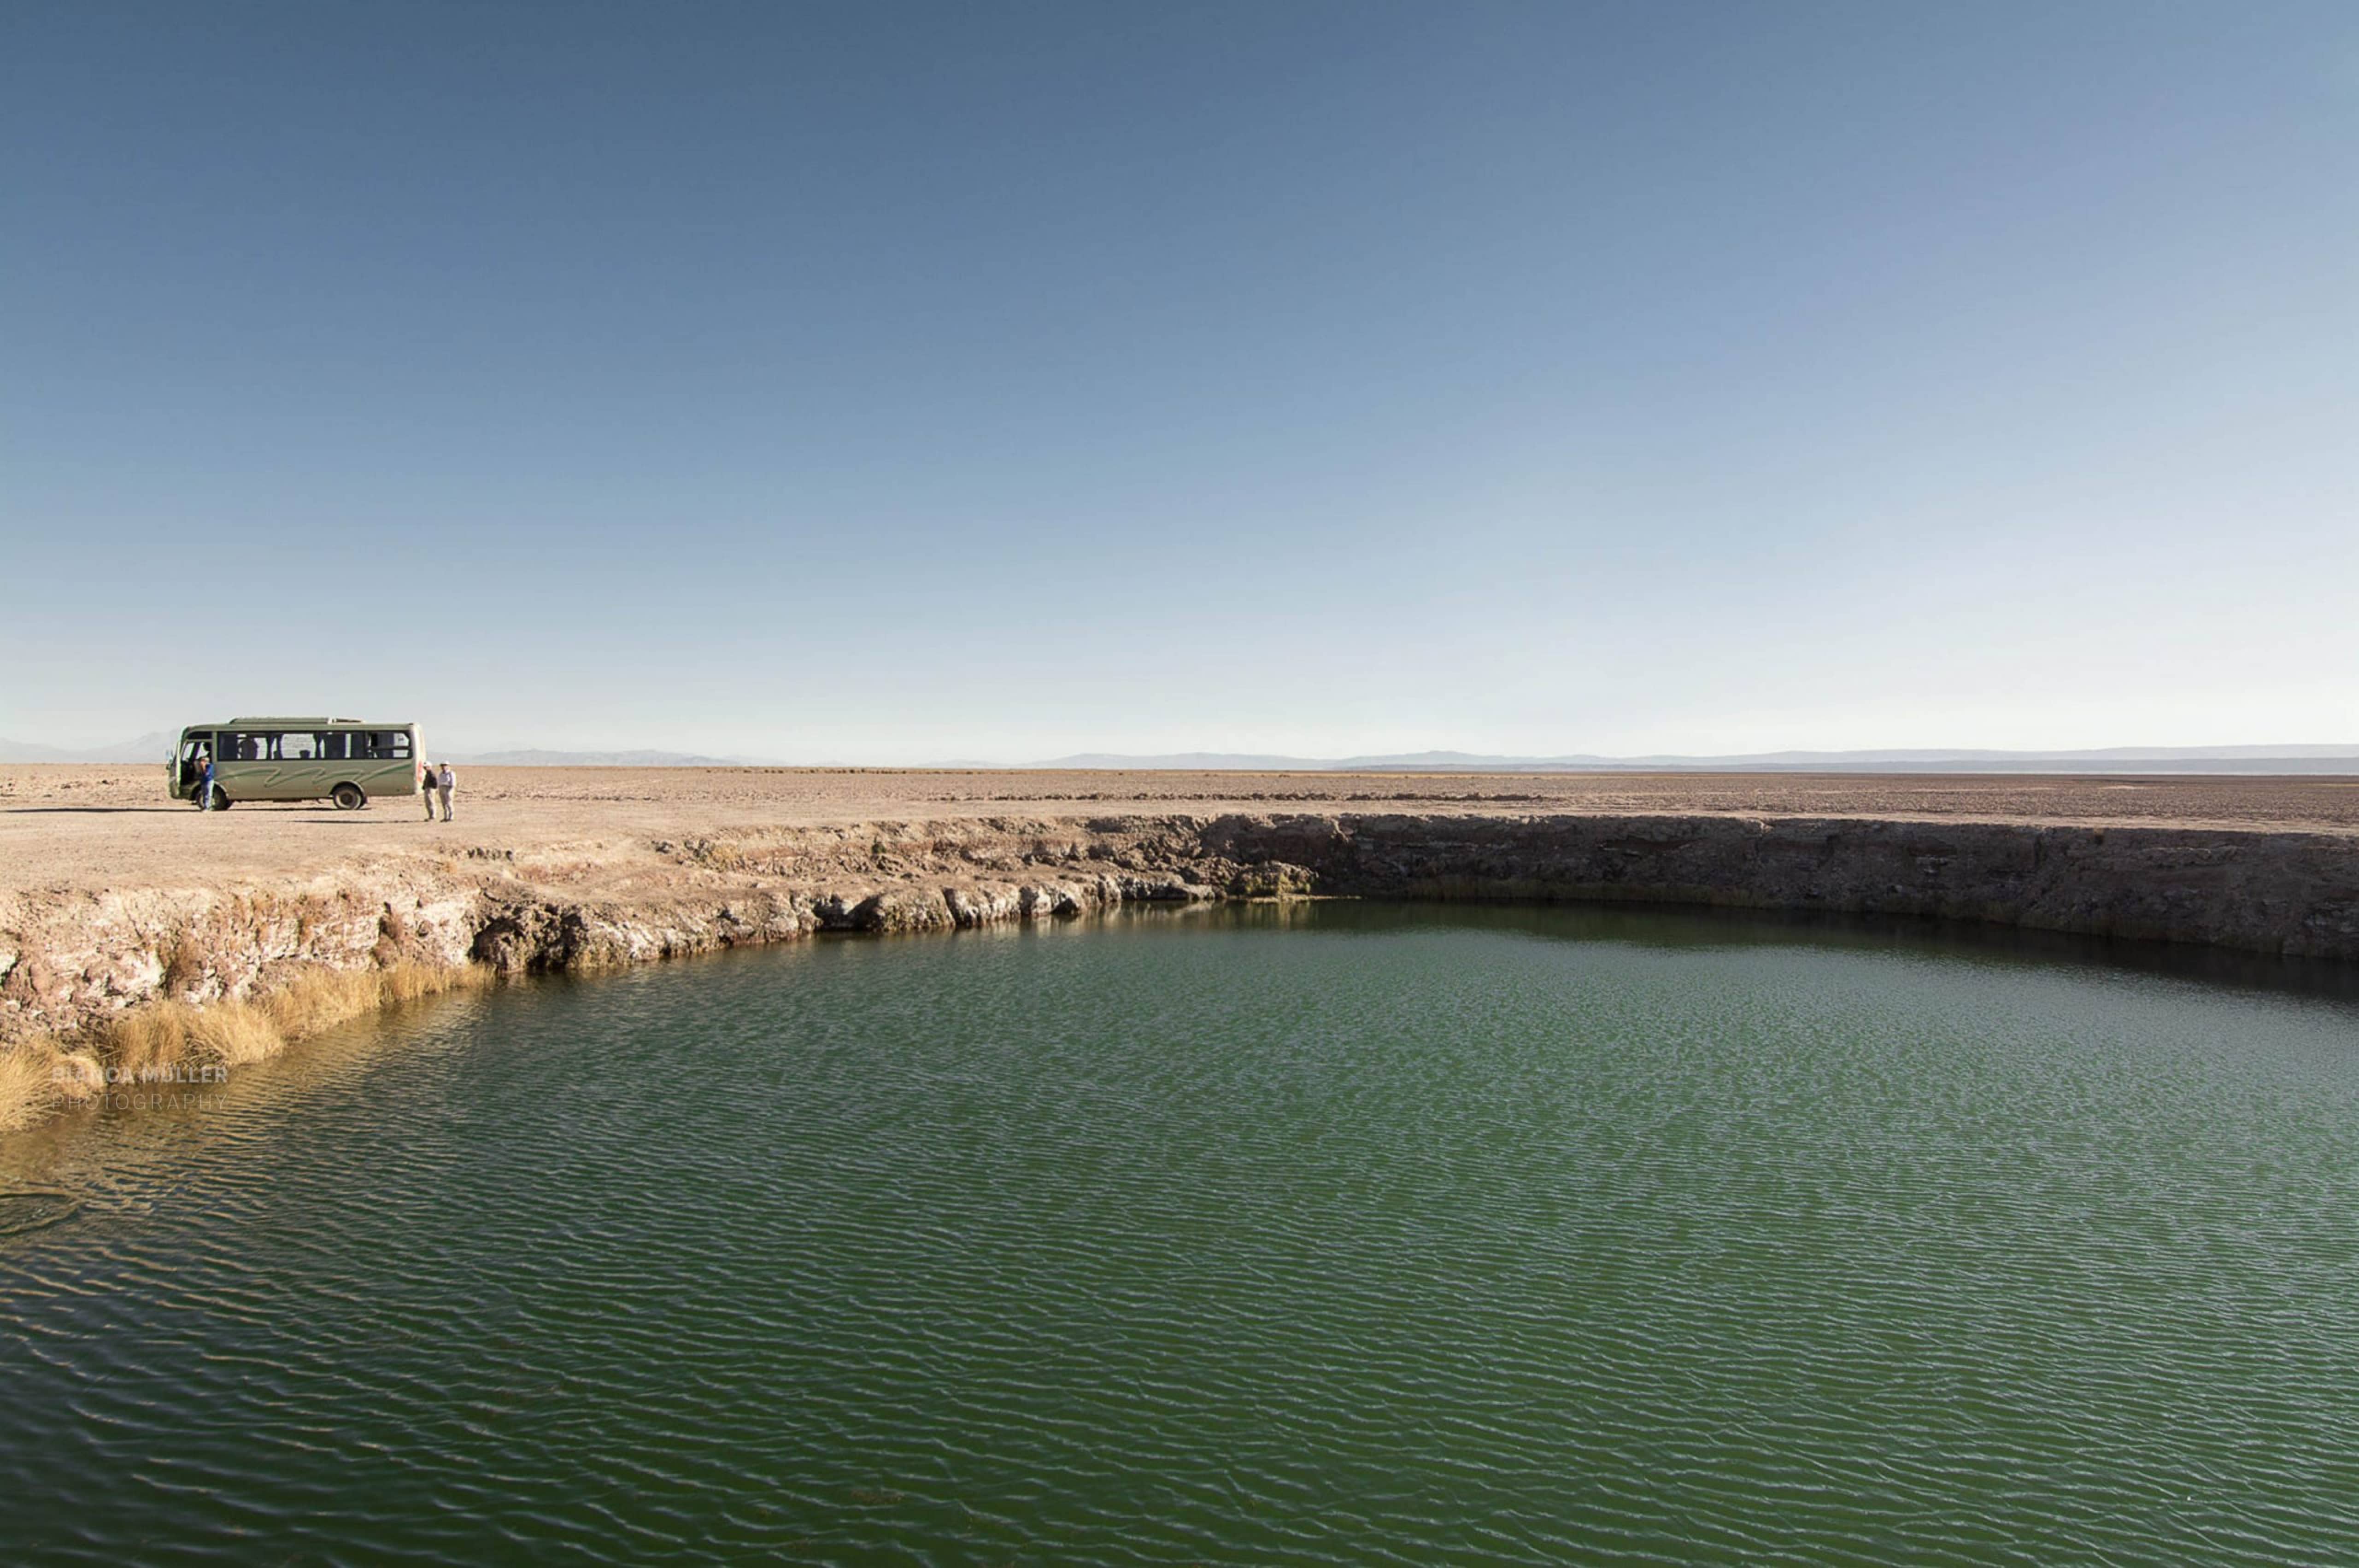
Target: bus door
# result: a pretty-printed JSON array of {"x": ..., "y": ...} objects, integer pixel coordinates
[{"x": 190, "y": 768}]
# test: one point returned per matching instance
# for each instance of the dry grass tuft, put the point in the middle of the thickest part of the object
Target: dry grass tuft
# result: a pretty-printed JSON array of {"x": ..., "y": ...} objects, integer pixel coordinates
[
  {"x": 321, "y": 998},
  {"x": 232, "y": 1035},
  {"x": 79, "y": 1077},
  {"x": 154, "y": 1036},
  {"x": 27, "y": 1081},
  {"x": 40, "y": 1074},
  {"x": 409, "y": 982}
]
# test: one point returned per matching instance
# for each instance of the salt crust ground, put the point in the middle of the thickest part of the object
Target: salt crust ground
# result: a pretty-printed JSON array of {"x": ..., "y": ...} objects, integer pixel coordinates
[{"x": 85, "y": 829}]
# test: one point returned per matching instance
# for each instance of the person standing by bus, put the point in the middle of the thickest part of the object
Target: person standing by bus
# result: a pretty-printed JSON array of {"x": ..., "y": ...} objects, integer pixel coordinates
[
  {"x": 426, "y": 786},
  {"x": 446, "y": 782},
  {"x": 205, "y": 781}
]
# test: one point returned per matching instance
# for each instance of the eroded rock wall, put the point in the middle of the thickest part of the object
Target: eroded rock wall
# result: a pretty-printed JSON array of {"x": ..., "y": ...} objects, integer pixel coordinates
[
  {"x": 67, "y": 960},
  {"x": 2294, "y": 894}
]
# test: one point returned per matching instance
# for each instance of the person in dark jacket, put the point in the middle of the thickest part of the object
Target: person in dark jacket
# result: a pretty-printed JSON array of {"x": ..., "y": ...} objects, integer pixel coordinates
[{"x": 426, "y": 786}]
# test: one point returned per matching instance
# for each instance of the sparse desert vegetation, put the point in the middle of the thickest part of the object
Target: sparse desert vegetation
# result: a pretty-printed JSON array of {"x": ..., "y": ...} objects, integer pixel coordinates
[{"x": 45, "y": 1072}]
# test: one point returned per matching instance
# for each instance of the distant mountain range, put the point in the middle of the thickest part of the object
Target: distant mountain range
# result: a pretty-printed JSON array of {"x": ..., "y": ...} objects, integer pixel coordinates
[
  {"x": 146, "y": 749},
  {"x": 154, "y": 748},
  {"x": 537, "y": 759},
  {"x": 2110, "y": 760}
]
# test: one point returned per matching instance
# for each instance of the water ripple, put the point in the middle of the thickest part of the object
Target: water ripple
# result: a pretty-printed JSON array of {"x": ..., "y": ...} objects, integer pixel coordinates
[{"x": 1385, "y": 1237}]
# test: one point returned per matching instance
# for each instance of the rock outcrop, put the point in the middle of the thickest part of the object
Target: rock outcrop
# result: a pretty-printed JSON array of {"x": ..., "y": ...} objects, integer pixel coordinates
[
  {"x": 2292, "y": 894},
  {"x": 68, "y": 960}
]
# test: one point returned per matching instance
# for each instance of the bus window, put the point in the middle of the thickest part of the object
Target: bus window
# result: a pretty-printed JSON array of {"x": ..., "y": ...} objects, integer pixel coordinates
[
  {"x": 390, "y": 745},
  {"x": 297, "y": 748},
  {"x": 331, "y": 746}
]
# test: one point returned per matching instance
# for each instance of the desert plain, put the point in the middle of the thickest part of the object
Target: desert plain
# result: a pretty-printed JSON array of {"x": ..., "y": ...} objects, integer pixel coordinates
[
  {"x": 85, "y": 828},
  {"x": 113, "y": 897}
]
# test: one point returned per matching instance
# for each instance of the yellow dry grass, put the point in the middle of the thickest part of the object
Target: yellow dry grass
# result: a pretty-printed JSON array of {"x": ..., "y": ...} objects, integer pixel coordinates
[
  {"x": 27, "y": 1090},
  {"x": 42, "y": 1073}
]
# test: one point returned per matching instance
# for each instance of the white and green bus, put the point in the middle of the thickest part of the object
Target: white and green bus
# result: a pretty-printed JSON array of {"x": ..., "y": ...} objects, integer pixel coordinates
[{"x": 343, "y": 760}]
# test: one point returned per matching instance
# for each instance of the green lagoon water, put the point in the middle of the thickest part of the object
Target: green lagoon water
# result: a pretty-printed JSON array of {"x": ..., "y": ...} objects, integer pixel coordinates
[{"x": 1349, "y": 1236}]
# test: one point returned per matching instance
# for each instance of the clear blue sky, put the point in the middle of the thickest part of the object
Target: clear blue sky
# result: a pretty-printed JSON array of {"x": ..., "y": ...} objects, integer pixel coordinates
[{"x": 892, "y": 381}]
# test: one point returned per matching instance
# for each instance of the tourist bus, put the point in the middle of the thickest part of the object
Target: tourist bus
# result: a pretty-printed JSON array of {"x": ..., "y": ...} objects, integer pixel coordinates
[{"x": 343, "y": 760}]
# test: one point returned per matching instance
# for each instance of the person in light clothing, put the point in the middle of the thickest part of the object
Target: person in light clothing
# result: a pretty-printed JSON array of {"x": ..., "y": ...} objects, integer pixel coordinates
[{"x": 444, "y": 783}]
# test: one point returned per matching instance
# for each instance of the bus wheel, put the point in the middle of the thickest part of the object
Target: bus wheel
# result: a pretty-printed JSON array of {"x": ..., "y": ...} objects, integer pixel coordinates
[
  {"x": 221, "y": 802},
  {"x": 348, "y": 797}
]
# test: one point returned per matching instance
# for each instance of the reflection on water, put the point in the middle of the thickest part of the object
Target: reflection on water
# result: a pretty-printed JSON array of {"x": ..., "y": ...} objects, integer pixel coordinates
[{"x": 1316, "y": 1233}]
